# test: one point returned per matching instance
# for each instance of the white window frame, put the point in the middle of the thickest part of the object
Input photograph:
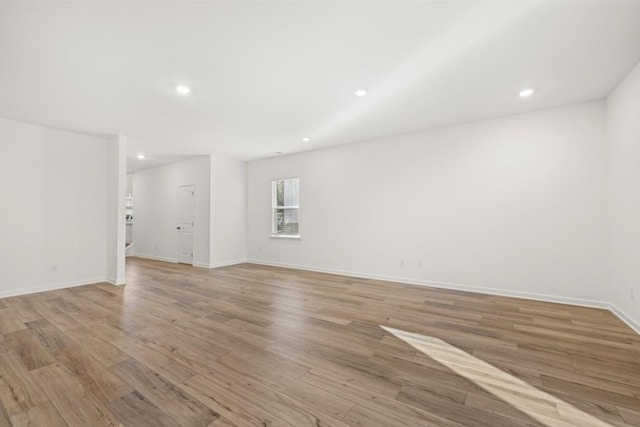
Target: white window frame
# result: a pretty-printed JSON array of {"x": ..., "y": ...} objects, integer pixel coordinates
[{"x": 275, "y": 207}]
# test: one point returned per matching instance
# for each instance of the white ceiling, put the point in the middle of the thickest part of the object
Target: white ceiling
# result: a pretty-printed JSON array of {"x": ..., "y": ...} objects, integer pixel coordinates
[{"x": 265, "y": 74}]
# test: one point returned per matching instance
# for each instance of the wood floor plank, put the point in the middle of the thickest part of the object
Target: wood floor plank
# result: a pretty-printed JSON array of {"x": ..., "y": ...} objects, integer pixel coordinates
[
  {"x": 630, "y": 416},
  {"x": 96, "y": 380},
  {"x": 286, "y": 407},
  {"x": 24, "y": 312},
  {"x": 229, "y": 404},
  {"x": 102, "y": 350},
  {"x": 181, "y": 406},
  {"x": 323, "y": 401},
  {"x": 134, "y": 409},
  {"x": 51, "y": 338},
  {"x": 44, "y": 414},
  {"x": 68, "y": 396},
  {"x": 222, "y": 422},
  {"x": 19, "y": 390},
  {"x": 4, "y": 416},
  {"x": 249, "y": 345},
  {"x": 10, "y": 322},
  {"x": 29, "y": 348}
]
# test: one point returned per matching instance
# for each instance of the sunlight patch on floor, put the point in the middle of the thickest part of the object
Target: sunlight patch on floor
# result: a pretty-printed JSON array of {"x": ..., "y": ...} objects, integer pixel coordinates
[{"x": 543, "y": 407}]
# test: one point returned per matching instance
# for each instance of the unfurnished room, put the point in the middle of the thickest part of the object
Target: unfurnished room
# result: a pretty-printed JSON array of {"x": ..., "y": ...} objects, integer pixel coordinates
[{"x": 320, "y": 213}]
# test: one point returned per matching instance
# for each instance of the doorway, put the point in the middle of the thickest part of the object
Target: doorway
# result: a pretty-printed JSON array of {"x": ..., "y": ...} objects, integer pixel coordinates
[{"x": 186, "y": 213}]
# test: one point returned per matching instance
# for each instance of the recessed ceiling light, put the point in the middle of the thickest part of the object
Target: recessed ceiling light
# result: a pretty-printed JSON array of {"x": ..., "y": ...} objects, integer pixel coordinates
[
  {"x": 183, "y": 90},
  {"x": 360, "y": 92},
  {"x": 526, "y": 92},
  {"x": 306, "y": 139},
  {"x": 141, "y": 156}
]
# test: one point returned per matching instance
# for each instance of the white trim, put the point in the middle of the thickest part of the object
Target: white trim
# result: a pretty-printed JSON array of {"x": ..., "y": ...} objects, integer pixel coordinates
[
  {"x": 198, "y": 264},
  {"x": 51, "y": 287},
  {"x": 284, "y": 236},
  {"x": 625, "y": 318},
  {"x": 116, "y": 282},
  {"x": 156, "y": 258},
  {"x": 195, "y": 264},
  {"x": 201, "y": 265},
  {"x": 455, "y": 286},
  {"x": 491, "y": 291},
  {"x": 228, "y": 263}
]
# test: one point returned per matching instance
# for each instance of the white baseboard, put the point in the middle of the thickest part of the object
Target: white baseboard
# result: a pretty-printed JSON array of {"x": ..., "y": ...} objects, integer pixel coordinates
[
  {"x": 625, "y": 318},
  {"x": 51, "y": 287},
  {"x": 116, "y": 282},
  {"x": 156, "y": 258},
  {"x": 445, "y": 285},
  {"x": 491, "y": 291},
  {"x": 171, "y": 260},
  {"x": 201, "y": 265},
  {"x": 195, "y": 264},
  {"x": 228, "y": 263}
]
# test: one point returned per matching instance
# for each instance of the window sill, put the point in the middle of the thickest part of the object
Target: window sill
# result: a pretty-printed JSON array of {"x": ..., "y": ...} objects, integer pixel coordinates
[{"x": 285, "y": 236}]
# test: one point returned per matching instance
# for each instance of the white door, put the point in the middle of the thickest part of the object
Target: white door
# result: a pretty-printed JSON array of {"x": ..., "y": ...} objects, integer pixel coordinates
[{"x": 186, "y": 207}]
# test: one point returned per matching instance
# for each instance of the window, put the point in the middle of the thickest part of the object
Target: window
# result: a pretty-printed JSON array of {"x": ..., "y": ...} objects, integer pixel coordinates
[{"x": 285, "y": 203}]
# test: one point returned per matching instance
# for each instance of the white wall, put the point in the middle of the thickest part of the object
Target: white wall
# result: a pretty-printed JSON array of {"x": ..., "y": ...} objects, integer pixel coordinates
[
  {"x": 116, "y": 193},
  {"x": 516, "y": 205},
  {"x": 623, "y": 137},
  {"x": 155, "y": 214},
  {"x": 130, "y": 183},
  {"x": 53, "y": 208},
  {"x": 228, "y": 211}
]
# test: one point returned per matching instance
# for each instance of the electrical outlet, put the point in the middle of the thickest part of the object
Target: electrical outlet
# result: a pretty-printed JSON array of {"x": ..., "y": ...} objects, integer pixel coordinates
[
  {"x": 420, "y": 264},
  {"x": 54, "y": 268},
  {"x": 632, "y": 294},
  {"x": 401, "y": 263}
]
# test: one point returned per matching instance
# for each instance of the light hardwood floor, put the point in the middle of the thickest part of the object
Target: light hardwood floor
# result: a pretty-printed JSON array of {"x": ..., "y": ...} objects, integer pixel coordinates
[{"x": 255, "y": 345}]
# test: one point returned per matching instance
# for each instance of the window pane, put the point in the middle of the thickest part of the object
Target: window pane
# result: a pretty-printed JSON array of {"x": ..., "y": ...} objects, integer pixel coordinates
[
  {"x": 291, "y": 192},
  {"x": 280, "y": 193},
  {"x": 287, "y": 221},
  {"x": 285, "y": 196}
]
